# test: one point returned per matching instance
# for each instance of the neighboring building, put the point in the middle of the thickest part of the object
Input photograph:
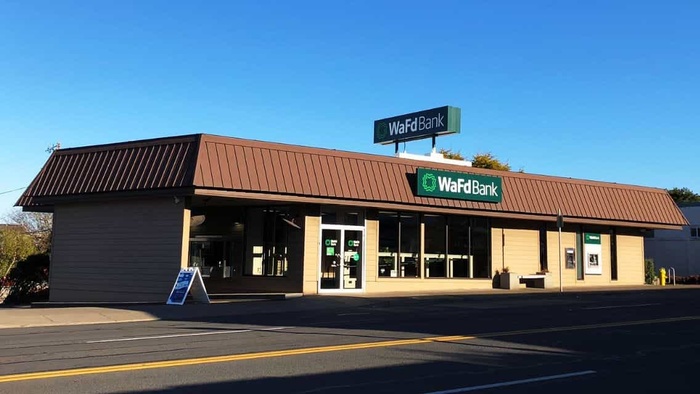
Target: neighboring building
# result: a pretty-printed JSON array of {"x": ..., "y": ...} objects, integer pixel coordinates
[
  {"x": 259, "y": 216},
  {"x": 679, "y": 249}
]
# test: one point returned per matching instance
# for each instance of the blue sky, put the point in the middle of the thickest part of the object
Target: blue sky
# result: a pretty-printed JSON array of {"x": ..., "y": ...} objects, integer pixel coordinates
[{"x": 603, "y": 90}]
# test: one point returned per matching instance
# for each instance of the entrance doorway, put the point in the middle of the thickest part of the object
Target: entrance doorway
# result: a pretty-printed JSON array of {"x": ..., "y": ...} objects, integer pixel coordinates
[{"x": 342, "y": 258}]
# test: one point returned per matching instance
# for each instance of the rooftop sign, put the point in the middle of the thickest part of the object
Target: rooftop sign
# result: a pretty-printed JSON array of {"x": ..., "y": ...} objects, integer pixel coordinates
[
  {"x": 417, "y": 125},
  {"x": 448, "y": 184}
]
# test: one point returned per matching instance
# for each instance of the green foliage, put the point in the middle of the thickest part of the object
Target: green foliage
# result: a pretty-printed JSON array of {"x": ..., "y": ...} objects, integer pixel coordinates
[
  {"x": 15, "y": 245},
  {"x": 479, "y": 160},
  {"x": 448, "y": 154},
  {"x": 29, "y": 280},
  {"x": 38, "y": 225},
  {"x": 683, "y": 195},
  {"x": 649, "y": 272},
  {"x": 488, "y": 160}
]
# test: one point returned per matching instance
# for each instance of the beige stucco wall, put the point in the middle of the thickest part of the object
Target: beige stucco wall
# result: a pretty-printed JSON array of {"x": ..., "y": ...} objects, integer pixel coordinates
[
  {"x": 371, "y": 248},
  {"x": 128, "y": 250},
  {"x": 312, "y": 253},
  {"x": 630, "y": 259},
  {"x": 568, "y": 240},
  {"x": 427, "y": 285},
  {"x": 516, "y": 246}
]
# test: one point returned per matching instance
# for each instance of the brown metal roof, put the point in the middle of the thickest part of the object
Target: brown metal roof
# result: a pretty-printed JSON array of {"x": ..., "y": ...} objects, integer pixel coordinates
[
  {"x": 264, "y": 169},
  {"x": 132, "y": 166},
  {"x": 347, "y": 177}
]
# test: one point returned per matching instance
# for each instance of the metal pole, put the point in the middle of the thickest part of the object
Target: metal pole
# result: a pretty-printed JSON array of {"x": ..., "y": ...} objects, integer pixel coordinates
[{"x": 561, "y": 273}]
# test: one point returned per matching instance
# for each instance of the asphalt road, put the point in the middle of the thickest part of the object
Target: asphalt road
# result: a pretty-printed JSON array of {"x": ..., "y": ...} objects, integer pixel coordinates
[{"x": 546, "y": 343}]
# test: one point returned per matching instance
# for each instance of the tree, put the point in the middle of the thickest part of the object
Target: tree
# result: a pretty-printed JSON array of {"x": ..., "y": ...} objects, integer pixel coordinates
[
  {"x": 15, "y": 245},
  {"x": 38, "y": 225},
  {"x": 488, "y": 160},
  {"x": 683, "y": 195},
  {"x": 448, "y": 154}
]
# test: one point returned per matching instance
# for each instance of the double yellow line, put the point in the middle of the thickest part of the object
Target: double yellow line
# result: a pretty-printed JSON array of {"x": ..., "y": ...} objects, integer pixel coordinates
[{"x": 315, "y": 350}]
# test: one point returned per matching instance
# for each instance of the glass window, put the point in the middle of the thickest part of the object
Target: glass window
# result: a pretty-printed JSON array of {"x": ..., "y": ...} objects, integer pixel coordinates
[
  {"x": 613, "y": 254},
  {"x": 350, "y": 216},
  {"x": 276, "y": 244},
  {"x": 217, "y": 241},
  {"x": 211, "y": 256},
  {"x": 479, "y": 247},
  {"x": 453, "y": 247},
  {"x": 543, "y": 247},
  {"x": 409, "y": 238},
  {"x": 695, "y": 232},
  {"x": 459, "y": 258},
  {"x": 388, "y": 244},
  {"x": 266, "y": 242},
  {"x": 435, "y": 233}
]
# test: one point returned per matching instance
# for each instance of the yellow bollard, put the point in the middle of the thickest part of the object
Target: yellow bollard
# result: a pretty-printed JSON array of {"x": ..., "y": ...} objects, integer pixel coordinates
[{"x": 662, "y": 276}]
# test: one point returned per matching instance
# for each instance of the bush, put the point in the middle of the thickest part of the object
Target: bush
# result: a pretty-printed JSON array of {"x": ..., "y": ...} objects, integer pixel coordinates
[
  {"x": 29, "y": 280},
  {"x": 649, "y": 273}
]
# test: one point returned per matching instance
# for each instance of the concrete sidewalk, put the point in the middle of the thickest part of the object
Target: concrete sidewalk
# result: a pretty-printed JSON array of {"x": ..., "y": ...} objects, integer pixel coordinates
[
  {"x": 53, "y": 315},
  {"x": 61, "y": 315}
]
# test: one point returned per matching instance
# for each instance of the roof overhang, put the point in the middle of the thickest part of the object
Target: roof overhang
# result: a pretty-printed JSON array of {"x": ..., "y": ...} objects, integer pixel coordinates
[
  {"x": 46, "y": 203},
  {"x": 286, "y": 198}
]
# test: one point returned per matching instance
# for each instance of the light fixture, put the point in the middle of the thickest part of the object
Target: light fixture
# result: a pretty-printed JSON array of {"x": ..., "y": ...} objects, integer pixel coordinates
[
  {"x": 197, "y": 220},
  {"x": 290, "y": 221}
]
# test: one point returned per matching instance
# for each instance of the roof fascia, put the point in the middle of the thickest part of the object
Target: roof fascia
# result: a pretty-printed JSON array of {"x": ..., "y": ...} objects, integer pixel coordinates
[{"x": 422, "y": 208}]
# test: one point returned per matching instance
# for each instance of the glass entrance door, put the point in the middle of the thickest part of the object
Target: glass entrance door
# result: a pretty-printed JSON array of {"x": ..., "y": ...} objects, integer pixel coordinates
[
  {"x": 342, "y": 258},
  {"x": 330, "y": 259},
  {"x": 352, "y": 259}
]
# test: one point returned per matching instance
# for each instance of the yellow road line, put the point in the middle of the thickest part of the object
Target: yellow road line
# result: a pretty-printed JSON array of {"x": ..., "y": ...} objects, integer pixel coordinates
[{"x": 314, "y": 350}]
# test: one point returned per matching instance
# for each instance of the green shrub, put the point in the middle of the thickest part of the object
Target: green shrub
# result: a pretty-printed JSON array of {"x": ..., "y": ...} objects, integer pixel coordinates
[
  {"x": 649, "y": 273},
  {"x": 29, "y": 280}
]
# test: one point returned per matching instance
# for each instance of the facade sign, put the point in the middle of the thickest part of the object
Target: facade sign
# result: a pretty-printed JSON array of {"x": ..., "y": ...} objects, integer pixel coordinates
[
  {"x": 458, "y": 185},
  {"x": 592, "y": 254},
  {"x": 330, "y": 246},
  {"x": 417, "y": 125}
]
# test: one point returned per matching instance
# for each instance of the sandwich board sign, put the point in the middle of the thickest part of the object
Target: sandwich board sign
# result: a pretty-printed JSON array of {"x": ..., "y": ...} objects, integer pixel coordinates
[{"x": 188, "y": 279}]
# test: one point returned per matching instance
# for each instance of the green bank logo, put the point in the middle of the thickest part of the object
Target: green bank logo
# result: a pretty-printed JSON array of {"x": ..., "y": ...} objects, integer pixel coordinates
[
  {"x": 429, "y": 182},
  {"x": 448, "y": 184},
  {"x": 591, "y": 238},
  {"x": 380, "y": 131}
]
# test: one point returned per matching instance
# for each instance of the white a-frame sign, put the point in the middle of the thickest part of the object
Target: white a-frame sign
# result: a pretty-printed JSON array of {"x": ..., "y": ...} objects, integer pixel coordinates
[{"x": 188, "y": 278}]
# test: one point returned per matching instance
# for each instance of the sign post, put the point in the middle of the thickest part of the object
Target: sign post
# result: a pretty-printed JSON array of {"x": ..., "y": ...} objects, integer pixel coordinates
[
  {"x": 560, "y": 224},
  {"x": 188, "y": 279}
]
